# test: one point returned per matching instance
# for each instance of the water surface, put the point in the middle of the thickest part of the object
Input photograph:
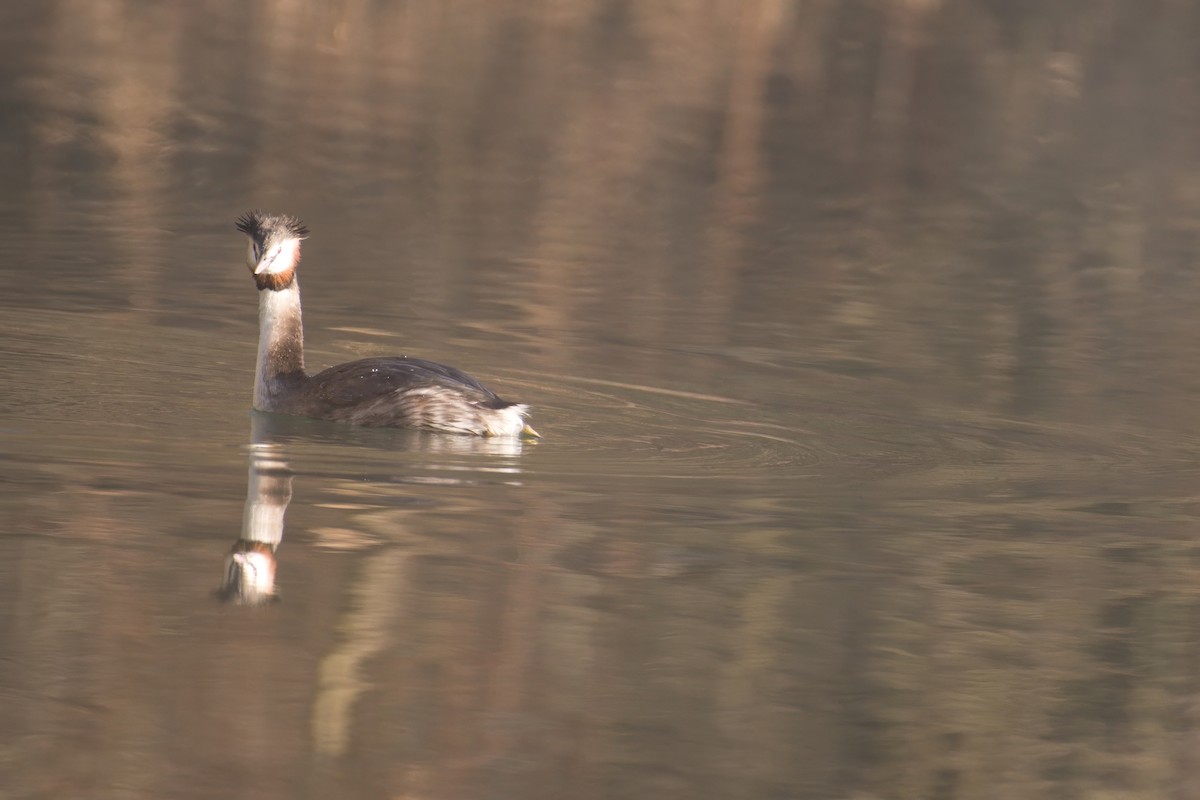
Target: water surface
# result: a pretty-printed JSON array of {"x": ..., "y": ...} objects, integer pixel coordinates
[{"x": 861, "y": 338}]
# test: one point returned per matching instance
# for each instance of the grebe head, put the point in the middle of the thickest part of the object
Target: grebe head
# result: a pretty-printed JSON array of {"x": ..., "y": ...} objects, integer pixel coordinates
[
  {"x": 249, "y": 574},
  {"x": 274, "y": 249}
]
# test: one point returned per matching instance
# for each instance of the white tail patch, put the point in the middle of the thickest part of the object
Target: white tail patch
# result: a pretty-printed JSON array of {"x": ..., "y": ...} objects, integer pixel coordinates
[{"x": 506, "y": 421}]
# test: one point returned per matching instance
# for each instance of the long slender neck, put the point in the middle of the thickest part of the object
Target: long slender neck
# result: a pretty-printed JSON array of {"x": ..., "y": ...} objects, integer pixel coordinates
[{"x": 280, "y": 346}]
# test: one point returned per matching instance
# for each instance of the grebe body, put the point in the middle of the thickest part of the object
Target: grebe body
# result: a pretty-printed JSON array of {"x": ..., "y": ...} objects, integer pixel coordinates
[{"x": 399, "y": 392}]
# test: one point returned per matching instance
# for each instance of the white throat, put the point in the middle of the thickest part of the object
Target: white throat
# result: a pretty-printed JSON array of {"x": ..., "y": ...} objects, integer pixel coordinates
[{"x": 280, "y": 343}]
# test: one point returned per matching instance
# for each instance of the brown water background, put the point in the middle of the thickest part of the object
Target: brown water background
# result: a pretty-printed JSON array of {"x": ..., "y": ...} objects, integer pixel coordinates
[{"x": 862, "y": 337}]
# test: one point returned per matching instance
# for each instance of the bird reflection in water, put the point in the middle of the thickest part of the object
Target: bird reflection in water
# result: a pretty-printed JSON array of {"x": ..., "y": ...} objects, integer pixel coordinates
[{"x": 250, "y": 565}]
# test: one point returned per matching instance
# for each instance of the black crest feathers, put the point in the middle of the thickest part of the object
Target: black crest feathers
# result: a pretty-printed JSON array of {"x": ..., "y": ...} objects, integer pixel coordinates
[{"x": 260, "y": 225}]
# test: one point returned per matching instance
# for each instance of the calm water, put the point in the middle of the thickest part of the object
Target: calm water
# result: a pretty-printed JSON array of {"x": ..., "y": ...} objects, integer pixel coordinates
[{"x": 862, "y": 337}]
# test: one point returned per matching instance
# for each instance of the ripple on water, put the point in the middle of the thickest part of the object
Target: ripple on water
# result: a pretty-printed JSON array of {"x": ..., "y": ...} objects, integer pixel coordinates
[
  {"x": 627, "y": 430},
  {"x": 618, "y": 430}
]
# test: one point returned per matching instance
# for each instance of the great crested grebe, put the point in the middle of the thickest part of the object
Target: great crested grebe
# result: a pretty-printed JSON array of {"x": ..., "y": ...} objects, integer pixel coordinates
[{"x": 398, "y": 392}]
